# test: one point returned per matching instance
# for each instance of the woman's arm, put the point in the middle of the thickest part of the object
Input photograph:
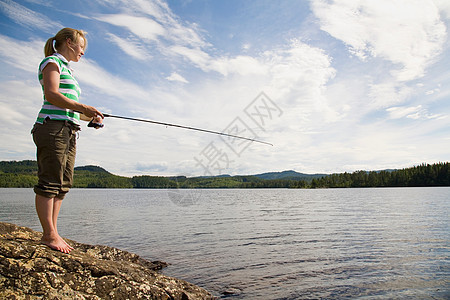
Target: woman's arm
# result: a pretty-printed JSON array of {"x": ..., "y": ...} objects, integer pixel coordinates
[
  {"x": 84, "y": 118},
  {"x": 52, "y": 94}
]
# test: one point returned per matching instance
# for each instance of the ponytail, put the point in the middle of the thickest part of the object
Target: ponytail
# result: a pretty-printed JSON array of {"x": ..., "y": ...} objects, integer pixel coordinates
[
  {"x": 48, "y": 48},
  {"x": 60, "y": 39}
]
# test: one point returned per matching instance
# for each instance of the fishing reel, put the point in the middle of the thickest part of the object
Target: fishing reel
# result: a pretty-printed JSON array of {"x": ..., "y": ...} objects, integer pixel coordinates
[{"x": 95, "y": 124}]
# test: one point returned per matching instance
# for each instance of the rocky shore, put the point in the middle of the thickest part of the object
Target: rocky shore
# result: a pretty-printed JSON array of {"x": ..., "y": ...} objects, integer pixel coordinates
[{"x": 29, "y": 270}]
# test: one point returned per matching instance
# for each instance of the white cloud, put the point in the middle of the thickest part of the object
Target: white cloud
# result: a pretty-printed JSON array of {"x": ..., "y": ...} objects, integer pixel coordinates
[
  {"x": 387, "y": 93},
  {"x": 241, "y": 64},
  {"x": 19, "y": 102},
  {"x": 92, "y": 76},
  {"x": 433, "y": 91},
  {"x": 177, "y": 77},
  {"x": 173, "y": 38},
  {"x": 177, "y": 31},
  {"x": 405, "y": 32},
  {"x": 142, "y": 27},
  {"x": 292, "y": 67},
  {"x": 10, "y": 49},
  {"x": 156, "y": 9},
  {"x": 154, "y": 22},
  {"x": 129, "y": 46},
  {"x": 401, "y": 112},
  {"x": 444, "y": 6},
  {"x": 151, "y": 167},
  {"x": 29, "y": 99},
  {"x": 246, "y": 47},
  {"x": 300, "y": 67},
  {"x": 197, "y": 56},
  {"x": 28, "y": 18},
  {"x": 413, "y": 112}
]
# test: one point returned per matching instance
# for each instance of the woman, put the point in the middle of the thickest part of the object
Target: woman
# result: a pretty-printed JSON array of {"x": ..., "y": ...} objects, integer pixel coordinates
[{"x": 54, "y": 132}]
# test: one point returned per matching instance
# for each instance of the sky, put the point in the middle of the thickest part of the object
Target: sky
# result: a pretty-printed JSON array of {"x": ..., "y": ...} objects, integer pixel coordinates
[{"x": 335, "y": 85}]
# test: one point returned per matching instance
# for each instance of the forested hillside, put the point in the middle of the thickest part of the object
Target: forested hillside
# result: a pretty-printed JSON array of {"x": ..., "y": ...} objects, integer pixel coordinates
[
  {"x": 422, "y": 175},
  {"x": 23, "y": 174}
]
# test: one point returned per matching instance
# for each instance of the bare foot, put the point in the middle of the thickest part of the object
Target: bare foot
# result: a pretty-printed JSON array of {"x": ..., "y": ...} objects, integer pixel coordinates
[
  {"x": 71, "y": 248},
  {"x": 56, "y": 243}
]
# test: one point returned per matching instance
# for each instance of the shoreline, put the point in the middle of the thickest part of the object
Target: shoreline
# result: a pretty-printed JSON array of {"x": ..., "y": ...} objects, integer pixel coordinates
[{"x": 29, "y": 268}]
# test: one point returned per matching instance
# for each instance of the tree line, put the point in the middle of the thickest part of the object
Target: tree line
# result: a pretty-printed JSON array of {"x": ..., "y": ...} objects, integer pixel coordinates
[
  {"x": 423, "y": 175},
  {"x": 23, "y": 174}
]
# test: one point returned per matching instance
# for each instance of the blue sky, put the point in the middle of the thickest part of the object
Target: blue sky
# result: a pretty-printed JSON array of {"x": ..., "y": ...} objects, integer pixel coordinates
[{"x": 335, "y": 85}]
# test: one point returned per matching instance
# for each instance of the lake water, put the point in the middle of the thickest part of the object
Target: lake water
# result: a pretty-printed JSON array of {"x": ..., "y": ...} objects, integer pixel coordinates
[{"x": 270, "y": 243}]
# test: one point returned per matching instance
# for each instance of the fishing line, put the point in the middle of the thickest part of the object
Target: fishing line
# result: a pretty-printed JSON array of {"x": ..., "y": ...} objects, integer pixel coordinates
[{"x": 182, "y": 126}]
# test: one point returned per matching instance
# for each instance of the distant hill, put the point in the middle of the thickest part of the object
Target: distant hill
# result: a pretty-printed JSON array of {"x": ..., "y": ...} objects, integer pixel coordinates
[
  {"x": 292, "y": 175},
  {"x": 90, "y": 168},
  {"x": 31, "y": 167},
  {"x": 284, "y": 175}
]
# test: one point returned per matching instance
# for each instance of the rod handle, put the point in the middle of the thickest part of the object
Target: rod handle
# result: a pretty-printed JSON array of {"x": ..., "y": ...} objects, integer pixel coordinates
[{"x": 95, "y": 125}]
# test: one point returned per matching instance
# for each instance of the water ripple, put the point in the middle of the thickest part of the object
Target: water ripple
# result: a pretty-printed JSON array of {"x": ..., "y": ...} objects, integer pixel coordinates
[{"x": 271, "y": 244}]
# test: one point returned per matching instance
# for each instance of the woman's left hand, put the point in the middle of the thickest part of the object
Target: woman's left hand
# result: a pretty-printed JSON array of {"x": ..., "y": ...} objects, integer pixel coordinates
[{"x": 97, "y": 119}]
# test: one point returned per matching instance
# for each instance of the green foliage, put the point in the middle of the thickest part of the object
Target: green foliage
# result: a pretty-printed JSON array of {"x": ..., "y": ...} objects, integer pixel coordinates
[
  {"x": 289, "y": 175},
  {"x": 18, "y": 174},
  {"x": 10, "y": 180},
  {"x": 91, "y": 168},
  {"x": 155, "y": 182},
  {"x": 19, "y": 167},
  {"x": 422, "y": 175},
  {"x": 23, "y": 174},
  {"x": 99, "y": 178}
]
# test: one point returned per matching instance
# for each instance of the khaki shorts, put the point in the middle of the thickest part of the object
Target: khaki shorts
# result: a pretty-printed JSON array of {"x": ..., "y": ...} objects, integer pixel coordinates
[{"x": 56, "y": 149}]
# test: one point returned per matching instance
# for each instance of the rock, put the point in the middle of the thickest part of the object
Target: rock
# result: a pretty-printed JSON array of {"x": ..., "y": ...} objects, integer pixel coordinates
[
  {"x": 30, "y": 270},
  {"x": 231, "y": 291}
]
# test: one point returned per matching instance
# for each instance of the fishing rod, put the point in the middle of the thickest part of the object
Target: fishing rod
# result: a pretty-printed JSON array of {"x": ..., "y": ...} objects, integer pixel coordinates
[{"x": 98, "y": 125}]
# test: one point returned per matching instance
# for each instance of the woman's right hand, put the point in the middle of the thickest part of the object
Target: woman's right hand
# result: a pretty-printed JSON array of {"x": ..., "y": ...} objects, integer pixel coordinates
[{"x": 92, "y": 112}]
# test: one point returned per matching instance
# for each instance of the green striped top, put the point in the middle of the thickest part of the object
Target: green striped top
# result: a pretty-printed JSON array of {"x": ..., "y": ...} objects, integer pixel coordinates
[{"x": 68, "y": 86}]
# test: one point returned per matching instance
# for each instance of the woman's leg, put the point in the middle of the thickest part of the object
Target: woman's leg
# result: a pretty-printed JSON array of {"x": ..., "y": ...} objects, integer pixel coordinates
[
  {"x": 67, "y": 179},
  {"x": 56, "y": 207},
  {"x": 45, "y": 208}
]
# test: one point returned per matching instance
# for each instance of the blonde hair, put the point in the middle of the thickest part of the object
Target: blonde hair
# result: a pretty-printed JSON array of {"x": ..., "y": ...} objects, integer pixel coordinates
[{"x": 61, "y": 37}]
